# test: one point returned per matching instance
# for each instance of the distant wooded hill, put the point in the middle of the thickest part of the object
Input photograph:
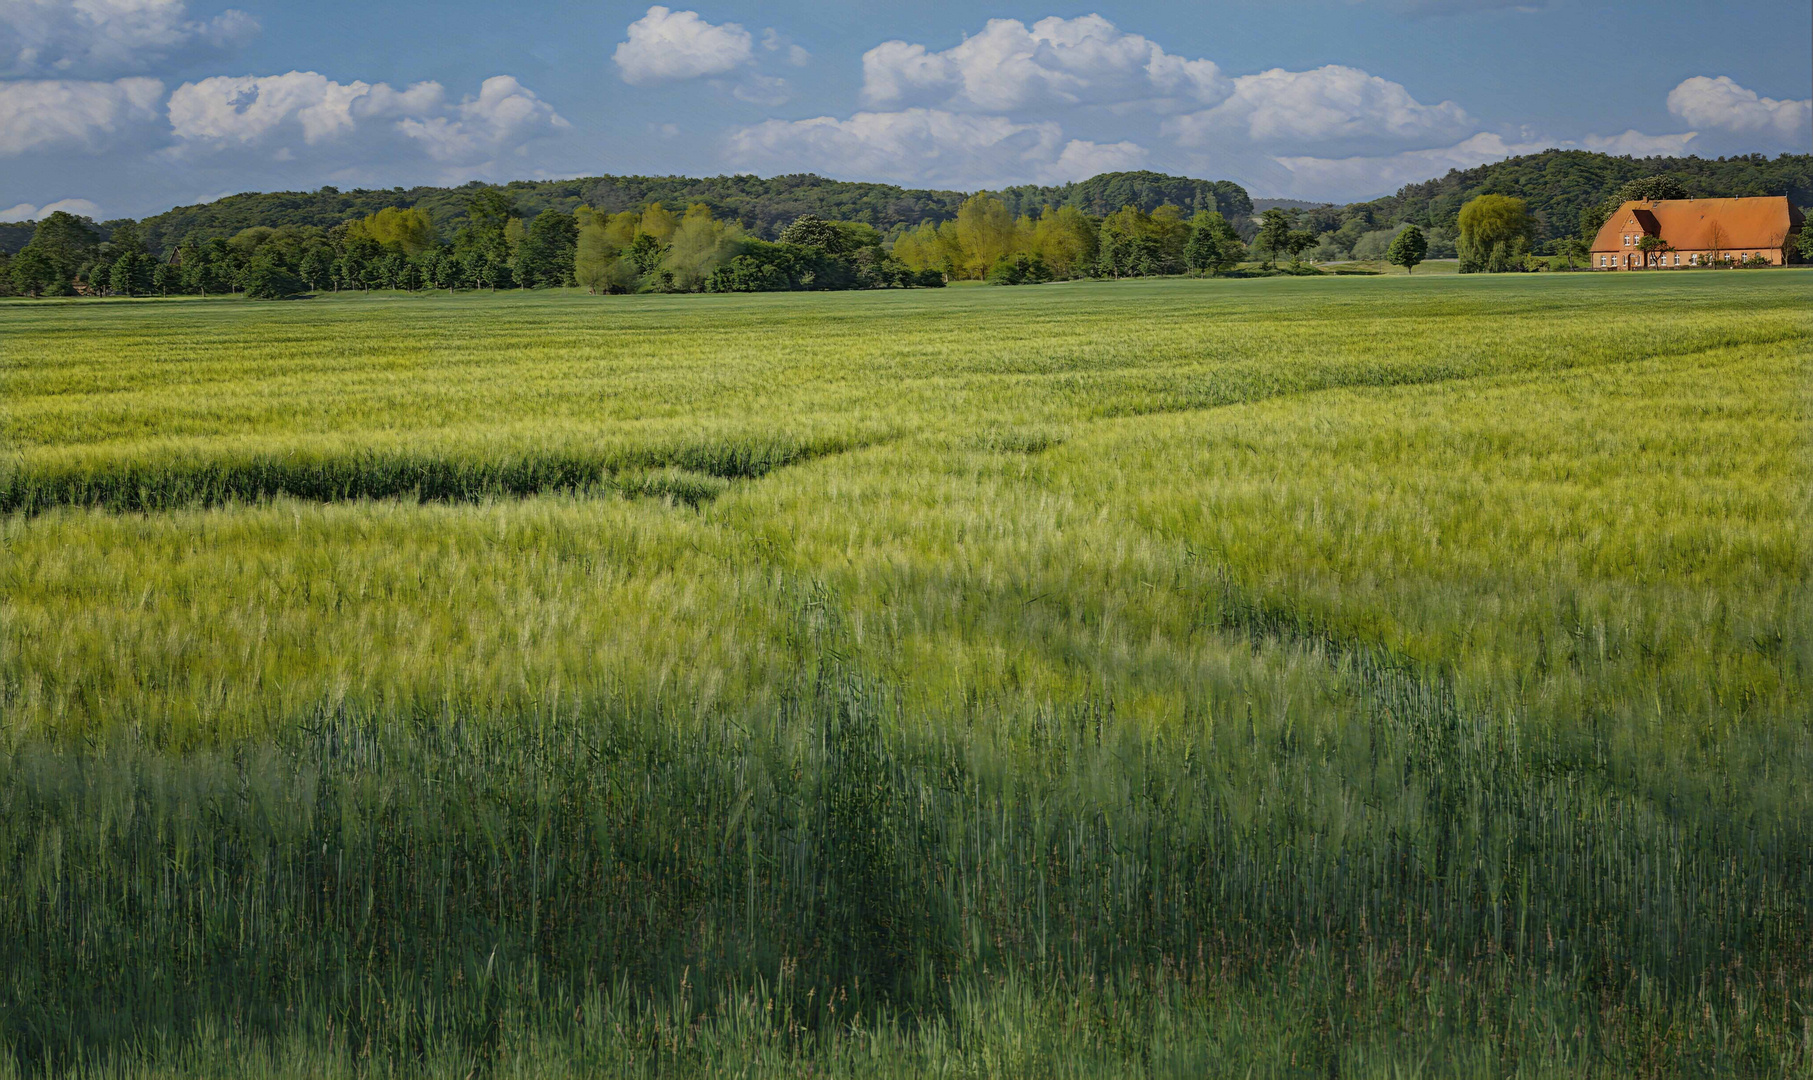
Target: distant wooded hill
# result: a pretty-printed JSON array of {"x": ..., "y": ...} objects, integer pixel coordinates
[
  {"x": 764, "y": 206},
  {"x": 14, "y": 235},
  {"x": 1561, "y": 185}
]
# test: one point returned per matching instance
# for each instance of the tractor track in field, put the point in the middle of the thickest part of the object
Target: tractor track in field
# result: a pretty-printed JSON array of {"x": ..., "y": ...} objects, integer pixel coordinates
[{"x": 690, "y": 475}]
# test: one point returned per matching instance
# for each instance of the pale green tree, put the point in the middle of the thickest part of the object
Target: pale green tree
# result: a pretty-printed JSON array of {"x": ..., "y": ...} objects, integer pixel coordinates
[
  {"x": 1066, "y": 239},
  {"x": 985, "y": 230},
  {"x": 409, "y": 231},
  {"x": 700, "y": 244},
  {"x": 658, "y": 222},
  {"x": 1494, "y": 233}
]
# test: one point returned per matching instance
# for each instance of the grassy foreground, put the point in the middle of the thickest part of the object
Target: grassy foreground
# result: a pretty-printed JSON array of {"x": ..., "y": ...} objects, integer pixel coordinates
[{"x": 1361, "y": 677}]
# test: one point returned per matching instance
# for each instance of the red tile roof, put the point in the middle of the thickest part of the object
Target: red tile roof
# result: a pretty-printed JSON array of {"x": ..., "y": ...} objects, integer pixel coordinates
[{"x": 1687, "y": 224}]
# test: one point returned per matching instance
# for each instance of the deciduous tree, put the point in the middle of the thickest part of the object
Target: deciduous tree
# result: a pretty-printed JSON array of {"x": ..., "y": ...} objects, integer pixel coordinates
[
  {"x": 34, "y": 273},
  {"x": 1494, "y": 232},
  {"x": 547, "y": 251},
  {"x": 409, "y": 231},
  {"x": 986, "y": 231},
  {"x": 1066, "y": 240},
  {"x": 267, "y": 279},
  {"x": 1274, "y": 234},
  {"x": 317, "y": 266},
  {"x": 1203, "y": 252},
  {"x": 65, "y": 242},
  {"x": 1408, "y": 248}
]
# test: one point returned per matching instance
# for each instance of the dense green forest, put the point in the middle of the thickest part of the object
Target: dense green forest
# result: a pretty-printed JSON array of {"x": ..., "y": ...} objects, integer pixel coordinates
[
  {"x": 14, "y": 235},
  {"x": 1102, "y": 195},
  {"x": 616, "y": 235},
  {"x": 801, "y": 232},
  {"x": 763, "y": 207},
  {"x": 1560, "y": 186}
]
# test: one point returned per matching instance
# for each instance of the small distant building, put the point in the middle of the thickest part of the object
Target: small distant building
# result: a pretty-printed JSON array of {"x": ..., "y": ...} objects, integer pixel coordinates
[{"x": 1696, "y": 232}]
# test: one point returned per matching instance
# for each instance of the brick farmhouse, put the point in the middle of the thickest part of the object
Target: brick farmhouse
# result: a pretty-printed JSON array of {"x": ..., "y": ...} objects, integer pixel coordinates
[{"x": 1696, "y": 232}]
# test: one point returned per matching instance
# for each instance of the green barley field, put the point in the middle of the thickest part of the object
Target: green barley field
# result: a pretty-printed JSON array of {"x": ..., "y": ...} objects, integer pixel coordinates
[{"x": 1395, "y": 677}]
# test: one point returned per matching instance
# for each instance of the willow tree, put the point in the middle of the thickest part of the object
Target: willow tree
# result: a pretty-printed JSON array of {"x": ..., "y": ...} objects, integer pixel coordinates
[{"x": 1494, "y": 233}]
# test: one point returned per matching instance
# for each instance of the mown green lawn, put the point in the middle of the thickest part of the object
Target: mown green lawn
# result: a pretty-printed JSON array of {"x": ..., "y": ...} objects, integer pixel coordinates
[{"x": 1303, "y": 676}]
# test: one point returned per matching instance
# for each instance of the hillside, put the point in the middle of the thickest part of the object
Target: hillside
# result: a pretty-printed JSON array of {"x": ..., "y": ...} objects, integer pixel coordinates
[
  {"x": 764, "y": 205},
  {"x": 14, "y": 235},
  {"x": 1104, "y": 194},
  {"x": 1560, "y": 184}
]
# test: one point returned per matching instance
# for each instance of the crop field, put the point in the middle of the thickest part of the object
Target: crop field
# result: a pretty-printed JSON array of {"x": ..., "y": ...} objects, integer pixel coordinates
[{"x": 1365, "y": 677}]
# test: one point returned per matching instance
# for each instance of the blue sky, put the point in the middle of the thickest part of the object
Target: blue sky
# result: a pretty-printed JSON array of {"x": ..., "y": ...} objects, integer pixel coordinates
[{"x": 127, "y": 107}]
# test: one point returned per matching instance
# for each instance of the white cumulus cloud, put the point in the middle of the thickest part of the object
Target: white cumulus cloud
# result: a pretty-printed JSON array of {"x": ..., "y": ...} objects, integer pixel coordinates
[
  {"x": 1326, "y": 108},
  {"x": 109, "y": 36},
  {"x": 59, "y": 114},
  {"x": 775, "y": 42},
  {"x": 307, "y": 109},
  {"x": 763, "y": 90},
  {"x": 666, "y": 44},
  {"x": 1721, "y": 104},
  {"x": 304, "y": 128},
  {"x": 245, "y": 109},
  {"x": 931, "y": 146},
  {"x": 504, "y": 113},
  {"x": 28, "y": 212},
  {"x": 1112, "y": 94},
  {"x": 1635, "y": 143},
  {"x": 1368, "y": 176},
  {"x": 1053, "y": 63}
]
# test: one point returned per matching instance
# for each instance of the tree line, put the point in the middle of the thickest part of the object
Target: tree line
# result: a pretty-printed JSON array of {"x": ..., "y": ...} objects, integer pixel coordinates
[
  {"x": 1565, "y": 191},
  {"x": 648, "y": 249},
  {"x": 1498, "y": 233},
  {"x": 1561, "y": 198},
  {"x": 763, "y": 206},
  {"x": 540, "y": 234}
]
